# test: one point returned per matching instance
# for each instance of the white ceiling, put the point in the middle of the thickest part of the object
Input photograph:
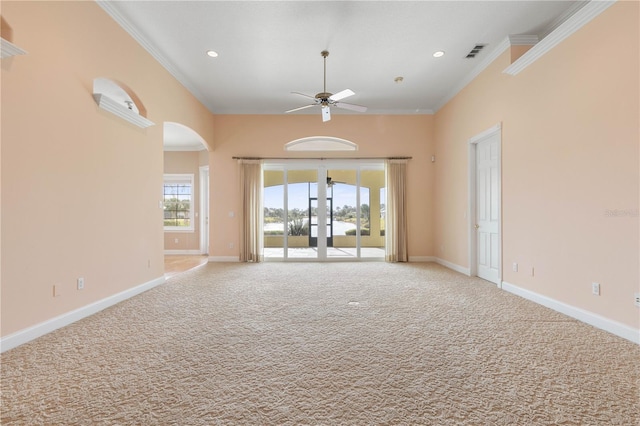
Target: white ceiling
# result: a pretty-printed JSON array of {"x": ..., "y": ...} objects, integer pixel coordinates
[{"x": 267, "y": 49}]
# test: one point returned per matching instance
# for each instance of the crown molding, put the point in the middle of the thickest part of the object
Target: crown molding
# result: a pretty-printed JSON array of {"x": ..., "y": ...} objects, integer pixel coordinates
[
  {"x": 582, "y": 16},
  {"x": 9, "y": 49},
  {"x": 560, "y": 19},
  {"x": 555, "y": 37},
  {"x": 486, "y": 61},
  {"x": 523, "y": 40},
  {"x": 108, "y": 6},
  {"x": 186, "y": 148}
]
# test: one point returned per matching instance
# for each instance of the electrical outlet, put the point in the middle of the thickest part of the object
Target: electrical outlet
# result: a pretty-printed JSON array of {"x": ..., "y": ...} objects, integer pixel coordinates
[
  {"x": 636, "y": 297},
  {"x": 231, "y": 245},
  {"x": 56, "y": 290},
  {"x": 80, "y": 283},
  {"x": 595, "y": 289},
  {"x": 175, "y": 241},
  {"x": 515, "y": 267}
]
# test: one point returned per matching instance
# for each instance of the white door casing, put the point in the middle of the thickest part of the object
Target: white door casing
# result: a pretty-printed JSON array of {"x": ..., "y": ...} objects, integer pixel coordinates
[
  {"x": 204, "y": 209},
  {"x": 322, "y": 213},
  {"x": 485, "y": 240}
]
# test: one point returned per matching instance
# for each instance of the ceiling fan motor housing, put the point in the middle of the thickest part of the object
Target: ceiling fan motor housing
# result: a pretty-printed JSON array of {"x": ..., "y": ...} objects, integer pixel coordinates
[{"x": 323, "y": 98}]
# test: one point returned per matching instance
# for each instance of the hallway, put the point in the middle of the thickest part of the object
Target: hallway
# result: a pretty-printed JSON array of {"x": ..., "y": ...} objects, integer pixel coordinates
[{"x": 175, "y": 264}]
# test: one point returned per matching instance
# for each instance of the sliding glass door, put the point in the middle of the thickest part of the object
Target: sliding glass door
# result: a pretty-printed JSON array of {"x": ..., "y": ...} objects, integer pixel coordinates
[
  {"x": 302, "y": 220},
  {"x": 314, "y": 210}
]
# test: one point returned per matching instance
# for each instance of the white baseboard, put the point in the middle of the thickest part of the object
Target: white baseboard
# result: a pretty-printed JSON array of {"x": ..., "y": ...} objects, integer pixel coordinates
[
  {"x": 606, "y": 324},
  {"x": 182, "y": 252},
  {"x": 224, "y": 259},
  {"x": 457, "y": 268},
  {"x": 422, "y": 259},
  {"x": 33, "y": 332}
]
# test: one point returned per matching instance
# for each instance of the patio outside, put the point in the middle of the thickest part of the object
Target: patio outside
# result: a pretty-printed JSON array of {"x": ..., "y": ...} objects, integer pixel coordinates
[{"x": 344, "y": 214}]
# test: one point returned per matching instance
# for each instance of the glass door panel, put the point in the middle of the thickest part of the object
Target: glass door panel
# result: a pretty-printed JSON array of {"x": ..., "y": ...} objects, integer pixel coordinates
[
  {"x": 301, "y": 187},
  {"x": 313, "y": 222},
  {"x": 342, "y": 194},
  {"x": 372, "y": 199},
  {"x": 274, "y": 220}
]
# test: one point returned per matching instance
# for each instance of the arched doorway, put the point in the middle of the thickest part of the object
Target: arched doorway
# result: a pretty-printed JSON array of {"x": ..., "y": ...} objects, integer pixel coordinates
[{"x": 185, "y": 198}]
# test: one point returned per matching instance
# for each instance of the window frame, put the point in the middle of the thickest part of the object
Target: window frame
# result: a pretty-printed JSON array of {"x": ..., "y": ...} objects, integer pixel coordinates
[{"x": 180, "y": 178}]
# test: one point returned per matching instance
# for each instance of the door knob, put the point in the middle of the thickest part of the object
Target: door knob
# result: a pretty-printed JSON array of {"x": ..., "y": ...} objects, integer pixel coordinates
[{"x": 477, "y": 226}]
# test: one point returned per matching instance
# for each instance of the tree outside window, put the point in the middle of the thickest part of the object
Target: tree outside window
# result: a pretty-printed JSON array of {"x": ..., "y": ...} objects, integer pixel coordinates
[{"x": 178, "y": 202}]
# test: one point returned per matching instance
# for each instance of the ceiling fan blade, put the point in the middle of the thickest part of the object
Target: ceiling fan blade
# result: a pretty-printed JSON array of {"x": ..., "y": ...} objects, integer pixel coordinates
[
  {"x": 331, "y": 182},
  {"x": 302, "y": 94},
  {"x": 302, "y": 107},
  {"x": 341, "y": 95},
  {"x": 352, "y": 107},
  {"x": 326, "y": 114}
]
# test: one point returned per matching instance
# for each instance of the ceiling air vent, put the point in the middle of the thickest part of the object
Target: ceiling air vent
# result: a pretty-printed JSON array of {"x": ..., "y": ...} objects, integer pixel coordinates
[{"x": 476, "y": 49}]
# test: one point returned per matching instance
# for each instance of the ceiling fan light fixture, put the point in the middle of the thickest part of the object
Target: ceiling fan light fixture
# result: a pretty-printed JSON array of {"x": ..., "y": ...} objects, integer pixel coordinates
[
  {"x": 325, "y": 100},
  {"x": 326, "y": 114}
]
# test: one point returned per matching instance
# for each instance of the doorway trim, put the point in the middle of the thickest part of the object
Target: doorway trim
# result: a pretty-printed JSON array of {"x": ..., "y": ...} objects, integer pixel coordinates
[
  {"x": 204, "y": 209},
  {"x": 495, "y": 130}
]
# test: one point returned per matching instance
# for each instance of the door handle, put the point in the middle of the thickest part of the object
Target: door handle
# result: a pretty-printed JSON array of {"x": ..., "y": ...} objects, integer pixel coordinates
[{"x": 477, "y": 226}]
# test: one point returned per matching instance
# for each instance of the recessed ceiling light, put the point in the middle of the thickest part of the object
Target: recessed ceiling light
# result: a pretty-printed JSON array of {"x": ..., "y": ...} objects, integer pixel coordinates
[
  {"x": 438, "y": 54},
  {"x": 212, "y": 53}
]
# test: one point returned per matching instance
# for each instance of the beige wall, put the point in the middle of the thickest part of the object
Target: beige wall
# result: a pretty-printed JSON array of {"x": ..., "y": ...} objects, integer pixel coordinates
[
  {"x": 266, "y": 135},
  {"x": 80, "y": 187},
  {"x": 185, "y": 162},
  {"x": 569, "y": 158}
]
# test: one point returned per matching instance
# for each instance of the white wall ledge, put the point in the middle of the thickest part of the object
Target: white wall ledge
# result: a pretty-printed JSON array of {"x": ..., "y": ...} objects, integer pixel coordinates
[
  {"x": 570, "y": 26},
  {"x": 111, "y": 97},
  {"x": 8, "y": 49}
]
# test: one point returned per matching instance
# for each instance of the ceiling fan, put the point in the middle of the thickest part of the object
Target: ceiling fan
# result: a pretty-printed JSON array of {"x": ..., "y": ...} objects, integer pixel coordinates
[
  {"x": 325, "y": 99},
  {"x": 331, "y": 182}
]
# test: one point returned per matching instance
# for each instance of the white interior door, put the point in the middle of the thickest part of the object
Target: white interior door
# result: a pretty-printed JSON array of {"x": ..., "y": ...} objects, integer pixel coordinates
[{"x": 488, "y": 208}]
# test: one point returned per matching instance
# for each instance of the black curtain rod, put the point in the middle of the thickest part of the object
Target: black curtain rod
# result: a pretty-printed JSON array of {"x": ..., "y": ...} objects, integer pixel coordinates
[{"x": 322, "y": 158}]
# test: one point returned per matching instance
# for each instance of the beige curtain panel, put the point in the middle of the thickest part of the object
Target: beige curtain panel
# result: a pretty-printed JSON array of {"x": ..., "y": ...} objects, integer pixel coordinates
[
  {"x": 251, "y": 234},
  {"x": 396, "y": 219}
]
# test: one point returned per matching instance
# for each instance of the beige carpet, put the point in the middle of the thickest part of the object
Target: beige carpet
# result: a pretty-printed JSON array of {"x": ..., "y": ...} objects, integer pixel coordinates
[{"x": 323, "y": 344}]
